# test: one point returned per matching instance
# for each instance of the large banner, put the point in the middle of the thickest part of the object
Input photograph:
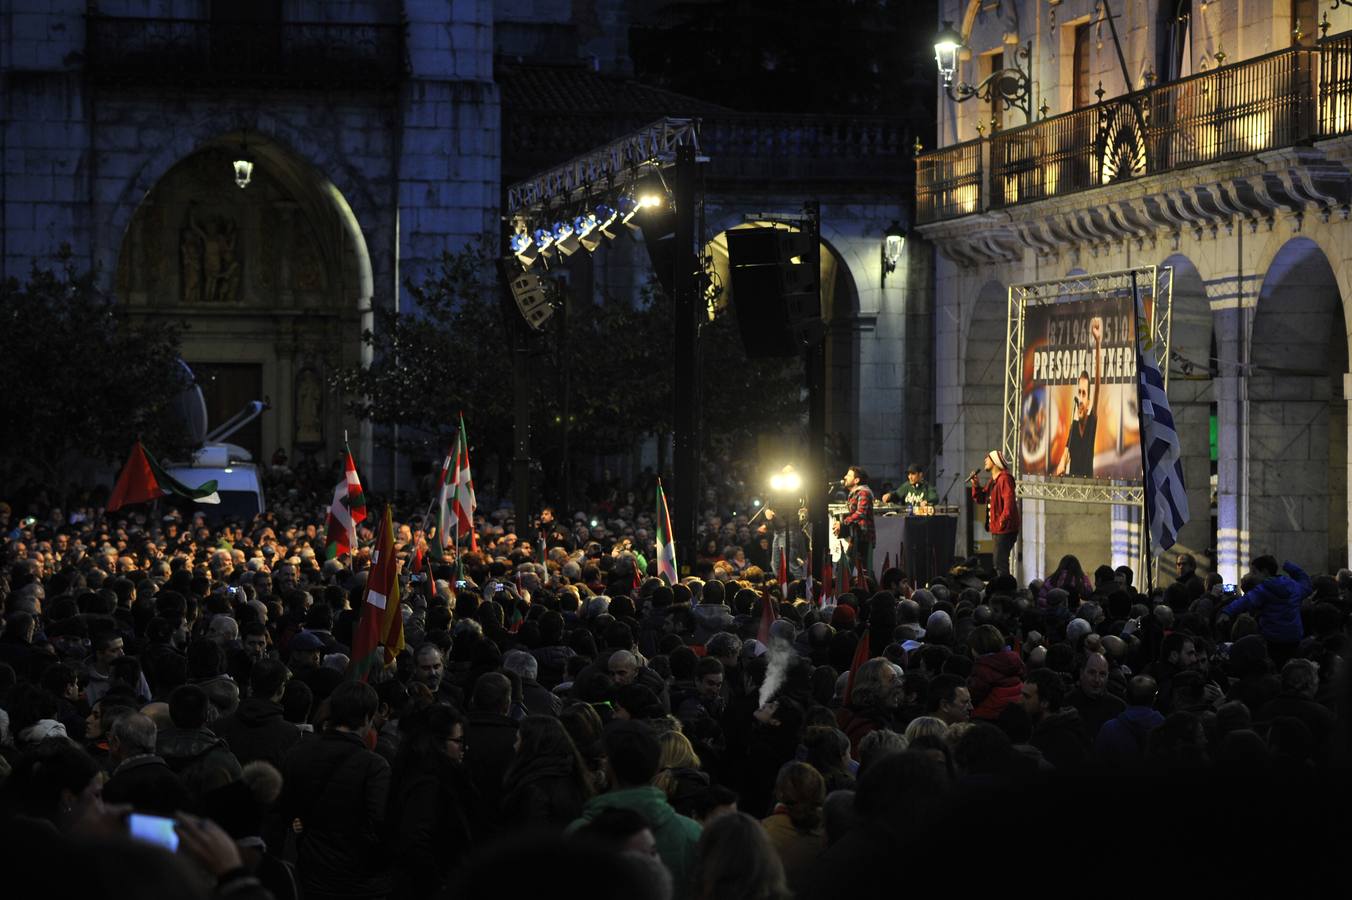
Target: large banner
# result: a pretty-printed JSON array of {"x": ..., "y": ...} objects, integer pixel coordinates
[{"x": 1078, "y": 402}]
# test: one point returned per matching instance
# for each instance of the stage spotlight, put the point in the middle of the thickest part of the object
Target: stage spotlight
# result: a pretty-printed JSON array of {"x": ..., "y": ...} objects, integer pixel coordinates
[
  {"x": 565, "y": 238},
  {"x": 524, "y": 248},
  {"x": 544, "y": 240},
  {"x": 589, "y": 234},
  {"x": 628, "y": 209},
  {"x": 605, "y": 217}
]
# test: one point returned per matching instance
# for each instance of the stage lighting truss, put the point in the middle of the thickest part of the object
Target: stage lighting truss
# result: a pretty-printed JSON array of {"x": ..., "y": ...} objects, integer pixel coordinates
[{"x": 582, "y": 203}]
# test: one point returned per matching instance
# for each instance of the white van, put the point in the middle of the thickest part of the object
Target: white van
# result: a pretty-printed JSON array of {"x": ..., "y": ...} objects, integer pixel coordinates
[
  {"x": 237, "y": 481},
  {"x": 230, "y": 466}
]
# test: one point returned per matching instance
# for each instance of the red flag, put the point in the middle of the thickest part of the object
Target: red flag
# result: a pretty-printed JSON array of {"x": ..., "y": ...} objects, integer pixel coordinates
[
  {"x": 861, "y": 656},
  {"x": 137, "y": 482},
  {"x": 768, "y": 616},
  {"x": 784, "y": 573},
  {"x": 380, "y": 629},
  {"x": 828, "y": 582},
  {"x": 887, "y": 561}
]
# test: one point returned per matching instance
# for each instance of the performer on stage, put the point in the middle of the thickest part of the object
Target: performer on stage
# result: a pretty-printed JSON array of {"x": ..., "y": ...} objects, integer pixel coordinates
[
  {"x": 917, "y": 492},
  {"x": 1002, "y": 508},
  {"x": 859, "y": 519},
  {"x": 1078, "y": 459}
]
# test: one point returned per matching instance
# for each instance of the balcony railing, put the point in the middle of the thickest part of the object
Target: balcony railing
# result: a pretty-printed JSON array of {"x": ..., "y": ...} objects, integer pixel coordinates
[
  {"x": 1277, "y": 100},
  {"x": 948, "y": 183},
  {"x": 200, "y": 53}
]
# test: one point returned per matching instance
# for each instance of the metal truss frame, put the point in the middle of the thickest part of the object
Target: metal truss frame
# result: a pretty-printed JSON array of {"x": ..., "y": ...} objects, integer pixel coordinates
[
  {"x": 1153, "y": 283},
  {"x": 609, "y": 165}
]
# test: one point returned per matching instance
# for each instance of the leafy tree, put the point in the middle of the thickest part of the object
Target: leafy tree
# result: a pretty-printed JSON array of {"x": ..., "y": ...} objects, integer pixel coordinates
[
  {"x": 82, "y": 381},
  {"x": 452, "y": 353},
  {"x": 449, "y": 356}
]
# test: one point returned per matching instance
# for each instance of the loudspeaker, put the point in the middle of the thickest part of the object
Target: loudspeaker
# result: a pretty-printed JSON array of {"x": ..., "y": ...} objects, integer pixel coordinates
[
  {"x": 774, "y": 290},
  {"x": 531, "y": 297}
]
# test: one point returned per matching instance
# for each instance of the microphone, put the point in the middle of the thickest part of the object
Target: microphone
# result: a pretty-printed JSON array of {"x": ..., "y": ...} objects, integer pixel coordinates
[{"x": 972, "y": 477}]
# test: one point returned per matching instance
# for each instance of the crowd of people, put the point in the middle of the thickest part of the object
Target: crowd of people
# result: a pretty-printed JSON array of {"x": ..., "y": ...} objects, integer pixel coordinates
[{"x": 562, "y": 720}]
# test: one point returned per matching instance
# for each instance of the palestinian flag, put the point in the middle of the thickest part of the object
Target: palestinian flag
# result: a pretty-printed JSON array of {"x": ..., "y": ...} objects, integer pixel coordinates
[
  {"x": 380, "y": 627},
  {"x": 666, "y": 547},
  {"x": 143, "y": 479},
  {"x": 348, "y": 508}
]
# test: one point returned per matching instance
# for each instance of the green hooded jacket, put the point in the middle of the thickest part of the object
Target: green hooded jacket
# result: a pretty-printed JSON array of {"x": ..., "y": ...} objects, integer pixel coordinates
[{"x": 676, "y": 835}]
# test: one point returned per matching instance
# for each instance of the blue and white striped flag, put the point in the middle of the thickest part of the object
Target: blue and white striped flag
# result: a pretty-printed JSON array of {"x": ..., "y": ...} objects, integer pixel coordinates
[{"x": 1166, "y": 497}]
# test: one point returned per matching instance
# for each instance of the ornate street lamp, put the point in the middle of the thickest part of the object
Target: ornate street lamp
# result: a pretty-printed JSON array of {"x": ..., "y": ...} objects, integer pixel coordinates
[
  {"x": 1011, "y": 86},
  {"x": 893, "y": 241}
]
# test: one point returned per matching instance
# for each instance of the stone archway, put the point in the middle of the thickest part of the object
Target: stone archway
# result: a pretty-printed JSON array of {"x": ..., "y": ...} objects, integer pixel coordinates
[
  {"x": 1192, "y": 397},
  {"x": 840, "y": 313},
  {"x": 981, "y": 415},
  {"x": 1297, "y": 434},
  {"x": 274, "y": 281}
]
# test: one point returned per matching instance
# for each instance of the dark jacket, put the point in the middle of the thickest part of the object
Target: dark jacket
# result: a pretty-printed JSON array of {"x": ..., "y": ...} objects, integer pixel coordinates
[
  {"x": 339, "y": 790},
  {"x": 1277, "y": 603},
  {"x": 148, "y": 784},
  {"x": 542, "y": 792},
  {"x": 1094, "y": 711},
  {"x": 539, "y": 700},
  {"x": 200, "y": 759},
  {"x": 685, "y": 788},
  {"x": 431, "y": 815},
  {"x": 257, "y": 731},
  {"x": 1121, "y": 742},
  {"x": 1317, "y": 717},
  {"x": 490, "y": 741},
  {"x": 553, "y": 663},
  {"x": 222, "y": 691},
  {"x": 710, "y": 619},
  {"x": 995, "y": 682},
  {"x": 1061, "y": 740},
  {"x": 654, "y": 626}
]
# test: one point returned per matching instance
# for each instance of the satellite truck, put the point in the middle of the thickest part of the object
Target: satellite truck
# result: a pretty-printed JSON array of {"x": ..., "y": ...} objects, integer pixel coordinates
[{"x": 214, "y": 459}]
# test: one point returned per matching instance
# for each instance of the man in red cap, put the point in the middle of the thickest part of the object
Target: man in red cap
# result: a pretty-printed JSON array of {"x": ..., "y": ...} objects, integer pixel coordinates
[{"x": 1002, "y": 509}]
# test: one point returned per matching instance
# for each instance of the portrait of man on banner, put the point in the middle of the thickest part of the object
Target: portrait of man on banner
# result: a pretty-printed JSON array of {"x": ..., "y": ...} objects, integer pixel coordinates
[{"x": 1079, "y": 415}]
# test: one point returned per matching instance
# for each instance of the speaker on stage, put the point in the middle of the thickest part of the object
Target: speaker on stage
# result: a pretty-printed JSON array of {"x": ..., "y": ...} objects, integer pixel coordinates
[{"x": 774, "y": 290}]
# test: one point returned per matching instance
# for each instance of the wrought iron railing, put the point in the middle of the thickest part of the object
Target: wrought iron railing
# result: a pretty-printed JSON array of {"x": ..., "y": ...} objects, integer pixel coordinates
[
  {"x": 202, "y": 53},
  {"x": 1277, "y": 100},
  {"x": 949, "y": 183}
]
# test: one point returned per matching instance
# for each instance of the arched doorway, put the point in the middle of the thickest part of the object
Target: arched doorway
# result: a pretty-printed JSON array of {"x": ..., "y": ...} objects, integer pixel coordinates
[
  {"x": 1297, "y": 435},
  {"x": 274, "y": 281},
  {"x": 983, "y": 389},
  {"x": 1192, "y": 399}
]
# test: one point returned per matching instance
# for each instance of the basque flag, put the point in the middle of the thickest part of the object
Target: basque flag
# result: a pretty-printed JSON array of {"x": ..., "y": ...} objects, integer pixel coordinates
[{"x": 1166, "y": 497}]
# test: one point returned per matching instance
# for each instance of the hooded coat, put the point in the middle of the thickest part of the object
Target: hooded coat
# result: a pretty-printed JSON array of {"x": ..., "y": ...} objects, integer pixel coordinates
[
  {"x": 542, "y": 792},
  {"x": 995, "y": 682},
  {"x": 677, "y": 836},
  {"x": 257, "y": 731},
  {"x": 199, "y": 758}
]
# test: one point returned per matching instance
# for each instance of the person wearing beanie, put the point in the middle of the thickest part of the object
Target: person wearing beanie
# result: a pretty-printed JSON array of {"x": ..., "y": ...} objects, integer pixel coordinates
[{"x": 1002, "y": 507}]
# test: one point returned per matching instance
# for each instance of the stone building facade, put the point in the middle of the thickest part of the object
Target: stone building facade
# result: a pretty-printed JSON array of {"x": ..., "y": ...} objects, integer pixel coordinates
[
  {"x": 1222, "y": 152},
  {"x": 381, "y": 133},
  {"x": 374, "y": 131}
]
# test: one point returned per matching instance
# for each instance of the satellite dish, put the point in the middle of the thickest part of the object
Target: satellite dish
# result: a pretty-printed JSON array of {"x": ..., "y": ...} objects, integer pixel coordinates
[{"x": 191, "y": 407}]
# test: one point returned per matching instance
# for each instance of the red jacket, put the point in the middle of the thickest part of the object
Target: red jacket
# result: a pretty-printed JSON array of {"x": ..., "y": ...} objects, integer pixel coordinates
[
  {"x": 996, "y": 681},
  {"x": 1002, "y": 510}
]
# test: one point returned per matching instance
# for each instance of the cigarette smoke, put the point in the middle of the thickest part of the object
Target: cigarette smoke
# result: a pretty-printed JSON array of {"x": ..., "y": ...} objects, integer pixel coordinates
[{"x": 781, "y": 654}]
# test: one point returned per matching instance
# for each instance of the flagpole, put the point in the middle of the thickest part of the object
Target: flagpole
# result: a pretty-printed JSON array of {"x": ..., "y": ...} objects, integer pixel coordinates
[{"x": 1146, "y": 558}]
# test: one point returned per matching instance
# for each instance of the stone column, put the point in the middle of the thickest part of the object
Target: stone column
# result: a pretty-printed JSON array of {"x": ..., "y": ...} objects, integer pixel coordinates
[
  {"x": 1347, "y": 395},
  {"x": 1232, "y": 411}
]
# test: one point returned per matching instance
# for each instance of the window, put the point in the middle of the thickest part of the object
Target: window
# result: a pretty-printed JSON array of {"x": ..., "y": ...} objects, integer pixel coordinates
[{"x": 1083, "y": 86}]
